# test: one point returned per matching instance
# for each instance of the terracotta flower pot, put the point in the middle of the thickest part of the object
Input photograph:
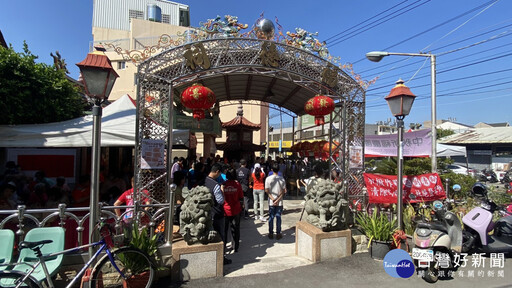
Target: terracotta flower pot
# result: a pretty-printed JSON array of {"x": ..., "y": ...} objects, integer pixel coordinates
[{"x": 136, "y": 281}]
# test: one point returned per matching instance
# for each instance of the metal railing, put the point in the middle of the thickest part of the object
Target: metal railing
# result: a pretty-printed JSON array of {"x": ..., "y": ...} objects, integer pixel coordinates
[{"x": 26, "y": 219}]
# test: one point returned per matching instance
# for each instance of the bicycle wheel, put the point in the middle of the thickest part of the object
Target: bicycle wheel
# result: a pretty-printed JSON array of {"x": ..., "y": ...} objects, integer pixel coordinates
[
  {"x": 135, "y": 265},
  {"x": 9, "y": 279}
]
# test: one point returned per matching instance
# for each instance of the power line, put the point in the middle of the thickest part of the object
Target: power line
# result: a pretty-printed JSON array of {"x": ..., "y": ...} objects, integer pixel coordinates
[
  {"x": 458, "y": 27},
  {"x": 494, "y": 37},
  {"x": 346, "y": 37},
  {"x": 457, "y": 93},
  {"x": 360, "y": 23},
  {"x": 456, "y": 79},
  {"x": 503, "y": 34},
  {"x": 432, "y": 28},
  {"x": 452, "y": 68}
]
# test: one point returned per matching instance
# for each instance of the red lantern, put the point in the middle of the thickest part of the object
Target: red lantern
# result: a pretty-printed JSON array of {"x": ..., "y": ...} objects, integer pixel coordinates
[
  {"x": 298, "y": 148},
  {"x": 318, "y": 148},
  {"x": 294, "y": 147},
  {"x": 335, "y": 147},
  {"x": 306, "y": 148},
  {"x": 198, "y": 98},
  {"x": 319, "y": 106}
]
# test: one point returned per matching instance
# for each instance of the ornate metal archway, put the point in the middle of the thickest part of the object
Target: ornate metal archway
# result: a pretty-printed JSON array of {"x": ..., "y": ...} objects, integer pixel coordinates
[{"x": 246, "y": 69}]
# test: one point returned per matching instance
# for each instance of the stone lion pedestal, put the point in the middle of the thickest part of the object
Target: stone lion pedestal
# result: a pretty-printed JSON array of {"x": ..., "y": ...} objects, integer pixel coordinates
[
  {"x": 198, "y": 260},
  {"x": 315, "y": 245}
]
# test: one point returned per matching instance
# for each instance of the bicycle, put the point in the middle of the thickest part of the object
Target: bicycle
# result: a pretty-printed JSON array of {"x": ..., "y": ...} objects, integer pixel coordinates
[{"x": 123, "y": 267}]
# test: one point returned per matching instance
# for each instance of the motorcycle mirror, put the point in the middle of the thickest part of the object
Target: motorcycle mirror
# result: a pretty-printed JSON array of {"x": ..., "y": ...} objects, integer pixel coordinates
[
  {"x": 449, "y": 219},
  {"x": 456, "y": 187}
]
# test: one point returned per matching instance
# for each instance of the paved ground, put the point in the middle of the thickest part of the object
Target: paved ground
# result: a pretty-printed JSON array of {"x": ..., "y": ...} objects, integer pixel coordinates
[{"x": 262, "y": 262}]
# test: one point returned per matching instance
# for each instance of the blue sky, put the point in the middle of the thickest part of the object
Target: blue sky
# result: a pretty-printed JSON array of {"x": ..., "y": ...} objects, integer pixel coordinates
[{"x": 473, "y": 83}]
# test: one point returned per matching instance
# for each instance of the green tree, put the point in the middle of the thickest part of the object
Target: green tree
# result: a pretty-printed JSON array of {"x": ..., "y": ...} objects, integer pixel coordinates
[
  {"x": 33, "y": 92},
  {"x": 443, "y": 133},
  {"x": 412, "y": 166}
]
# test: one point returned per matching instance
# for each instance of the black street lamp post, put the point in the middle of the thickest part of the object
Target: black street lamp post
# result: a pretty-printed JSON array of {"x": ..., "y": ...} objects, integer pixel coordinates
[{"x": 99, "y": 78}]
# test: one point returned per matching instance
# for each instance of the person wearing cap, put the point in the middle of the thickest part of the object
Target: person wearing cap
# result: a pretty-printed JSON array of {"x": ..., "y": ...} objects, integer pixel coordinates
[{"x": 258, "y": 191}]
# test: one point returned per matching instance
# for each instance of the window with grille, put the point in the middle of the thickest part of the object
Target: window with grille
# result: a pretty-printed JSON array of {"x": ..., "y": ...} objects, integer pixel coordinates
[
  {"x": 166, "y": 18},
  {"x": 136, "y": 14}
]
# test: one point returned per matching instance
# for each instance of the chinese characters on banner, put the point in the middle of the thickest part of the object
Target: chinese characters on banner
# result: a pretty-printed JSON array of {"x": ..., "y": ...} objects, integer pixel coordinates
[
  {"x": 383, "y": 188},
  {"x": 152, "y": 154},
  {"x": 416, "y": 144}
]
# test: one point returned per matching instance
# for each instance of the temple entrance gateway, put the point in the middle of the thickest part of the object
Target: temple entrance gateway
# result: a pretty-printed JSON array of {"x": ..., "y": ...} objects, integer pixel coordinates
[{"x": 245, "y": 69}]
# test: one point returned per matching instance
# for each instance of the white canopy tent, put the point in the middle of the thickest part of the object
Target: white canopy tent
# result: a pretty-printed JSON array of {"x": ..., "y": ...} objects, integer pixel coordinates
[
  {"x": 117, "y": 129},
  {"x": 444, "y": 150}
]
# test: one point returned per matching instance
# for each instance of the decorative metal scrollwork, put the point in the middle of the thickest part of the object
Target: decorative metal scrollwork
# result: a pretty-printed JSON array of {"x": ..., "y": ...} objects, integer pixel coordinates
[
  {"x": 269, "y": 55},
  {"x": 196, "y": 56},
  {"x": 329, "y": 76}
]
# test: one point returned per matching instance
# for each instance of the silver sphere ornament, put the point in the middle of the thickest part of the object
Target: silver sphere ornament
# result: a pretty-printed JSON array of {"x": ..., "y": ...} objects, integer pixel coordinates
[{"x": 264, "y": 29}]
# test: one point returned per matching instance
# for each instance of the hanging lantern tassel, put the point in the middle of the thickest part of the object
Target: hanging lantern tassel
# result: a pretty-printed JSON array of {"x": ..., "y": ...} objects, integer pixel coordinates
[
  {"x": 198, "y": 98},
  {"x": 319, "y": 106}
]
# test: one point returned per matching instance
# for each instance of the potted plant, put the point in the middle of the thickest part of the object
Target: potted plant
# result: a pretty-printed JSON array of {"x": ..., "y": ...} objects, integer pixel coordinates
[
  {"x": 379, "y": 230},
  {"x": 140, "y": 239}
]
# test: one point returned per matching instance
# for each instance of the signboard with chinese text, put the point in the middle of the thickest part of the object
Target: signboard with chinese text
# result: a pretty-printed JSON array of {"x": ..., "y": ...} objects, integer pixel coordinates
[
  {"x": 284, "y": 144},
  {"x": 153, "y": 155},
  {"x": 383, "y": 188},
  {"x": 206, "y": 125},
  {"x": 416, "y": 144},
  {"x": 309, "y": 120}
]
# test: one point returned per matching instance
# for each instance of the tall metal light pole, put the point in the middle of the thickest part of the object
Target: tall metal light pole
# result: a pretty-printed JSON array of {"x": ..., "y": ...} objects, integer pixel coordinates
[
  {"x": 99, "y": 78},
  {"x": 400, "y": 101},
  {"x": 376, "y": 56}
]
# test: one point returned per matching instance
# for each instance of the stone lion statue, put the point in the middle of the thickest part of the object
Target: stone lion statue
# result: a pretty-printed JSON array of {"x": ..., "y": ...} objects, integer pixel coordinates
[
  {"x": 326, "y": 208},
  {"x": 195, "y": 218}
]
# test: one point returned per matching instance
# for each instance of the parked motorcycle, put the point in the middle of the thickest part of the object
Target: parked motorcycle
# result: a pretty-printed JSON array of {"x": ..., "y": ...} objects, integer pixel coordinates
[
  {"x": 436, "y": 240},
  {"x": 506, "y": 178},
  {"x": 478, "y": 224}
]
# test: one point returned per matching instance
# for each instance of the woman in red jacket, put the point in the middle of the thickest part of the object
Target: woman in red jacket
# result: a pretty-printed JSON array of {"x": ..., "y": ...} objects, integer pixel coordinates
[
  {"x": 233, "y": 197},
  {"x": 258, "y": 191}
]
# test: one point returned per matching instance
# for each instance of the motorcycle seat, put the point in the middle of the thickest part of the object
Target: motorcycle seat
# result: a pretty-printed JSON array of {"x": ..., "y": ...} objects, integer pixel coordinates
[{"x": 433, "y": 226}]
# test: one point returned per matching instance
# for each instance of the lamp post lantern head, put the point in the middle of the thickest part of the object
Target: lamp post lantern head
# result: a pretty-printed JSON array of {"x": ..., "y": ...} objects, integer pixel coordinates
[
  {"x": 98, "y": 74},
  {"x": 376, "y": 56},
  {"x": 400, "y": 100}
]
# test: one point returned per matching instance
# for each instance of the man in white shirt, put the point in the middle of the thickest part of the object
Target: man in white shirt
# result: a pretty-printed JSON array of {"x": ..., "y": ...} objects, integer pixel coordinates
[{"x": 275, "y": 187}]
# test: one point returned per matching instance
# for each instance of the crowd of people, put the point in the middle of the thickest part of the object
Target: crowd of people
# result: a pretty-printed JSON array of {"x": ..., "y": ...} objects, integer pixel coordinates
[
  {"x": 233, "y": 184},
  {"x": 39, "y": 191}
]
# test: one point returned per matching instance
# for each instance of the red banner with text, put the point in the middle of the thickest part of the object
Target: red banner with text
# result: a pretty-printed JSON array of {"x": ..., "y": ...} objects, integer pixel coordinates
[{"x": 383, "y": 188}]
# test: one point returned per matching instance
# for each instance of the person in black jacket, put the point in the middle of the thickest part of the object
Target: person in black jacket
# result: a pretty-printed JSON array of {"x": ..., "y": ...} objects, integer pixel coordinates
[
  {"x": 242, "y": 174},
  {"x": 218, "y": 206}
]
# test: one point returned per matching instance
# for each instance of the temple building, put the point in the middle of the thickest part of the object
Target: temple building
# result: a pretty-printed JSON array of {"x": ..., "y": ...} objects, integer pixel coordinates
[{"x": 239, "y": 141}]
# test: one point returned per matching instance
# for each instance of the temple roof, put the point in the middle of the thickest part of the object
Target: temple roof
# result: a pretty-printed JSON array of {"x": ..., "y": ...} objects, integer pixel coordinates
[{"x": 241, "y": 121}]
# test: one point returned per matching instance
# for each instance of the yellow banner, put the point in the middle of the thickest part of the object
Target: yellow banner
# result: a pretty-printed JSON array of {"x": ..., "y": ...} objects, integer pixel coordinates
[{"x": 275, "y": 144}]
